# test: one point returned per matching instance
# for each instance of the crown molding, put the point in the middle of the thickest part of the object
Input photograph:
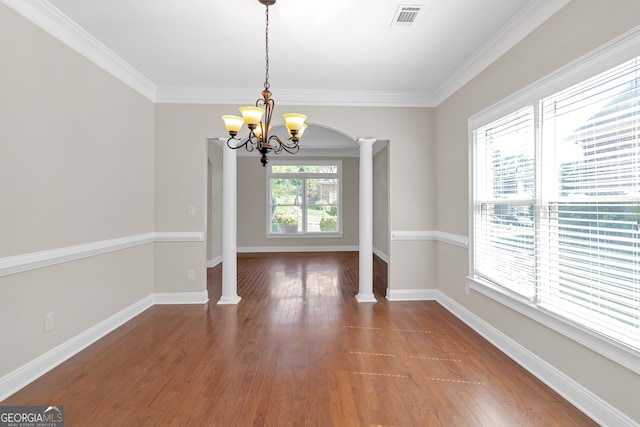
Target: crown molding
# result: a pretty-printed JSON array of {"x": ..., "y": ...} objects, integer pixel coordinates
[
  {"x": 312, "y": 97},
  {"x": 58, "y": 25},
  {"x": 534, "y": 14}
]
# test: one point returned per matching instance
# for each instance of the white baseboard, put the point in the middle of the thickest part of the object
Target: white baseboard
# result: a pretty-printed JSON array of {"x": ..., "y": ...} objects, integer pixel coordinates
[
  {"x": 259, "y": 249},
  {"x": 596, "y": 408},
  {"x": 21, "y": 377},
  {"x": 181, "y": 298},
  {"x": 384, "y": 257},
  {"x": 427, "y": 235},
  {"x": 213, "y": 262},
  {"x": 583, "y": 399},
  {"x": 411, "y": 294},
  {"x": 16, "y": 380}
]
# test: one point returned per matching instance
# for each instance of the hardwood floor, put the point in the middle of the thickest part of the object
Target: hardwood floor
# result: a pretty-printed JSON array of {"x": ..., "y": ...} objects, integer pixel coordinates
[{"x": 298, "y": 350}]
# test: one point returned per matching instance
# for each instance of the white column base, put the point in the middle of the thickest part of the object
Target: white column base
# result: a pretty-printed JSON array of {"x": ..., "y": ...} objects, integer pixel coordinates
[
  {"x": 366, "y": 298},
  {"x": 229, "y": 300}
]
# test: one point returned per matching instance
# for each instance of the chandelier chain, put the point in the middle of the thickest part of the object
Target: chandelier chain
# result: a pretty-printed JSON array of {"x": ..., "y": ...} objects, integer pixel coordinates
[
  {"x": 266, "y": 55},
  {"x": 258, "y": 118}
]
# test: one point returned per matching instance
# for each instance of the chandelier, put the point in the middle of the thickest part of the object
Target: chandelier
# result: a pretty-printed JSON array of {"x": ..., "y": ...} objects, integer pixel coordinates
[{"x": 258, "y": 118}]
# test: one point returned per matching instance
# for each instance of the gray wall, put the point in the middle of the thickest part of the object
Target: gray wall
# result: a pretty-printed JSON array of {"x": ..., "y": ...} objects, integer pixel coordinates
[
  {"x": 577, "y": 29},
  {"x": 84, "y": 158},
  {"x": 252, "y": 206},
  {"x": 214, "y": 205},
  {"x": 381, "y": 202},
  {"x": 76, "y": 167},
  {"x": 181, "y": 179}
]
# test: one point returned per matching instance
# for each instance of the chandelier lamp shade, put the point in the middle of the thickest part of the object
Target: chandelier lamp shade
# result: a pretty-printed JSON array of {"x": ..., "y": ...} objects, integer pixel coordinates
[{"x": 258, "y": 118}]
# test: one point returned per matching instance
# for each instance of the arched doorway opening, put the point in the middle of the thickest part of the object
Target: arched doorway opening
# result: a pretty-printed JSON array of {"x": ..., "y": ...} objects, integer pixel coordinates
[{"x": 319, "y": 142}]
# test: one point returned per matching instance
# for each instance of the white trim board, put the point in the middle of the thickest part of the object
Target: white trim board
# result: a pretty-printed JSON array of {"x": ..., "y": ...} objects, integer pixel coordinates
[
  {"x": 168, "y": 298},
  {"x": 214, "y": 262},
  {"x": 528, "y": 19},
  {"x": 411, "y": 294},
  {"x": 25, "y": 262},
  {"x": 21, "y": 377},
  {"x": 259, "y": 249},
  {"x": 592, "y": 405},
  {"x": 604, "y": 57},
  {"x": 582, "y": 398},
  {"x": 59, "y": 26},
  {"x": 609, "y": 348},
  {"x": 384, "y": 257},
  {"x": 426, "y": 235},
  {"x": 30, "y": 261},
  {"x": 608, "y": 55},
  {"x": 16, "y": 380}
]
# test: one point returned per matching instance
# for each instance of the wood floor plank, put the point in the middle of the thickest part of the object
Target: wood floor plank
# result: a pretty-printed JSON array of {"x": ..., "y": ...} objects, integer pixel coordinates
[{"x": 298, "y": 350}]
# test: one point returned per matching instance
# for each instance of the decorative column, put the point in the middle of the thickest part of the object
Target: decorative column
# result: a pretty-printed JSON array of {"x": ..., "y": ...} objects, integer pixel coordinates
[
  {"x": 229, "y": 225},
  {"x": 365, "y": 291}
]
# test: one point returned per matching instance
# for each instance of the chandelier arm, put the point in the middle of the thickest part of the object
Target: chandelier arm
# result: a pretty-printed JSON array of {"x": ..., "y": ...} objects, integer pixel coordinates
[
  {"x": 249, "y": 145},
  {"x": 277, "y": 147},
  {"x": 236, "y": 146},
  {"x": 252, "y": 141},
  {"x": 291, "y": 148}
]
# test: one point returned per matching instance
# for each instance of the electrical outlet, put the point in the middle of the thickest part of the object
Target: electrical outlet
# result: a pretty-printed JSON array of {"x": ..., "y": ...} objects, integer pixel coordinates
[
  {"x": 191, "y": 274},
  {"x": 48, "y": 322},
  {"x": 191, "y": 210},
  {"x": 466, "y": 289}
]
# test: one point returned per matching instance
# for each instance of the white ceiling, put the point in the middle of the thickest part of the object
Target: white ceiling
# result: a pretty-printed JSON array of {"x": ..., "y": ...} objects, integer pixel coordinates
[{"x": 322, "y": 52}]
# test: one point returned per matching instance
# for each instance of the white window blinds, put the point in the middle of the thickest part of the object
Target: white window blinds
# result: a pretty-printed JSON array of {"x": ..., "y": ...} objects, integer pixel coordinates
[
  {"x": 591, "y": 261},
  {"x": 557, "y": 212},
  {"x": 504, "y": 198}
]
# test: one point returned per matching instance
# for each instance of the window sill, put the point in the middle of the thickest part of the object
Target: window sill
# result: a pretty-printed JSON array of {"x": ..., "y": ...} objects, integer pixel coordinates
[
  {"x": 614, "y": 351},
  {"x": 304, "y": 235}
]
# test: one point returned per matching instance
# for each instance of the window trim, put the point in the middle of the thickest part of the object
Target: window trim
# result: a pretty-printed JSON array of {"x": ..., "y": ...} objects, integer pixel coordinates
[
  {"x": 306, "y": 235},
  {"x": 607, "y": 56}
]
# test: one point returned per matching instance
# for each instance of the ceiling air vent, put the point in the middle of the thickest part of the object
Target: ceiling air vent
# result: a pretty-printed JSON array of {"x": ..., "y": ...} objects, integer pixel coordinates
[{"x": 406, "y": 14}]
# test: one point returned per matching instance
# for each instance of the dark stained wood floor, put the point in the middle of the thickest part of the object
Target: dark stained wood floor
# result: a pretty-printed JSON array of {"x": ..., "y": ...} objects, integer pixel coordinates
[{"x": 298, "y": 350}]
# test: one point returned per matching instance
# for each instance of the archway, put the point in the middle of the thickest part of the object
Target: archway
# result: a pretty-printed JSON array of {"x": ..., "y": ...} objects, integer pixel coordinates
[{"x": 319, "y": 141}]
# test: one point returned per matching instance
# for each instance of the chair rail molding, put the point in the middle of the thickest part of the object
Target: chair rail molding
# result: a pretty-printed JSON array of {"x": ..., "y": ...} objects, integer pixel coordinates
[{"x": 30, "y": 261}]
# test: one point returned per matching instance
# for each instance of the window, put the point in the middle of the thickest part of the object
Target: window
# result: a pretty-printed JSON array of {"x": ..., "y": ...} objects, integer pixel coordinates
[
  {"x": 304, "y": 198},
  {"x": 504, "y": 192},
  {"x": 556, "y": 205}
]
